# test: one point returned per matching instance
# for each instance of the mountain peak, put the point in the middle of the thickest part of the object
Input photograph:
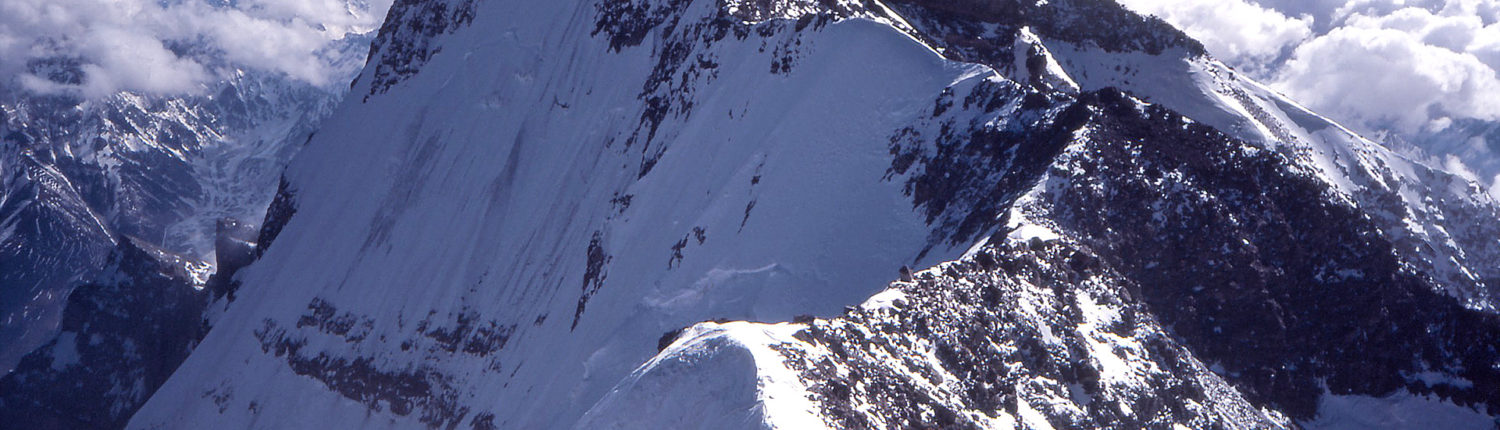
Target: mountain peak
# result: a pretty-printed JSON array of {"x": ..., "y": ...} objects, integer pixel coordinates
[{"x": 836, "y": 214}]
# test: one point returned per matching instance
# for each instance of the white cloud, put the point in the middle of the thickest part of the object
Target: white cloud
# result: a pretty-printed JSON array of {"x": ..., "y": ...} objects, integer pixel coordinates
[
  {"x": 1233, "y": 30},
  {"x": 1495, "y": 188},
  {"x": 1401, "y": 70},
  {"x": 1408, "y": 66},
  {"x": 172, "y": 46},
  {"x": 1456, "y": 166},
  {"x": 1386, "y": 78}
]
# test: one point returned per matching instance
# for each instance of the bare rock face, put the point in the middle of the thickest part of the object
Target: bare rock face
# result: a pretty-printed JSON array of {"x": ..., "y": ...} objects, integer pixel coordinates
[
  {"x": 1246, "y": 265},
  {"x": 1102, "y": 23},
  {"x": 90, "y": 185},
  {"x": 81, "y": 174},
  {"x": 1108, "y": 230},
  {"x": 234, "y": 243},
  {"x": 122, "y": 335}
]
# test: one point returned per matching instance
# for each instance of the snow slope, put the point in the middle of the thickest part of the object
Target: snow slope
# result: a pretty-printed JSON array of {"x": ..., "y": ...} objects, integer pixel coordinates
[
  {"x": 498, "y": 195},
  {"x": 525, "y": 198},
  {"x": 1442, "y": 220}
]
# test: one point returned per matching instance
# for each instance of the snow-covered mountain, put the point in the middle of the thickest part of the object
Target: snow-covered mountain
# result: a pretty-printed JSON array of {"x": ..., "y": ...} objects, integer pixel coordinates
[
  {"x": 688, "y": 214},
  {"x": 1469, "y": 148},
  {"x": 90, "y": 183},
  {"x": 122, "y": 334}
]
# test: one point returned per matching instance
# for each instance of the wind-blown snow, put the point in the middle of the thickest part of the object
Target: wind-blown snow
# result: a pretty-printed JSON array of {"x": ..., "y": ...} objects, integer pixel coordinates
[{"x": 729, "y": 375}]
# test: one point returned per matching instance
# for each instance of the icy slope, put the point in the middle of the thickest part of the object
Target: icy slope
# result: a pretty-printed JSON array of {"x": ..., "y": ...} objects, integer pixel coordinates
[
  {"x": 504, "y": 235},
  {"x": 1145, "y": 225},
  {"x": 1398, "y": 207},
  {"x": 526, "y": 197}
]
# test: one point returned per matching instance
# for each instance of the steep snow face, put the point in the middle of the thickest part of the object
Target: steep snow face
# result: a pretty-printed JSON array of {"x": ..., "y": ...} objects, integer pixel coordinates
[
  {"x": 526, "y": 196},
  {"x": 1205, "y": 229},
  {"x": 1148, "y": 224},
  {"x": 502, "y": 236}
]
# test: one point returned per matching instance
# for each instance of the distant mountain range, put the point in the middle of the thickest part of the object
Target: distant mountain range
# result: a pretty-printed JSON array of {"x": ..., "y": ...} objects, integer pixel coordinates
[{"x": 745, "y": 214}]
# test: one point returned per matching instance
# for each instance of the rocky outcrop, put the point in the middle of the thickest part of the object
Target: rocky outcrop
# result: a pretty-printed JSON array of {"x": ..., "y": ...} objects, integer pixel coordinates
[{"x": 122, "y": 335}]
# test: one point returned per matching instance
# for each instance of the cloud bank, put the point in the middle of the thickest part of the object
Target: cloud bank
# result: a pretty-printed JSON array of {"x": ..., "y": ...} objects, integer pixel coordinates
[
  {"x": 95, "y": 48},
  {"x": 1405, "y": 66},
  {"x": 1234, "y": 31}
]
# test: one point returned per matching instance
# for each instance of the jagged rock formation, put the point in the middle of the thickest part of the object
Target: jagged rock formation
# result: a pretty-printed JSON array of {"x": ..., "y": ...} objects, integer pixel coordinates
[
  {"x": 1118, "y": 231},
  {"x": 108, "y": 211},
  {"x": 122, "y": 335},
  {"x": 82, "y": 174},
  {"x": 1244, "y": 263}
]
